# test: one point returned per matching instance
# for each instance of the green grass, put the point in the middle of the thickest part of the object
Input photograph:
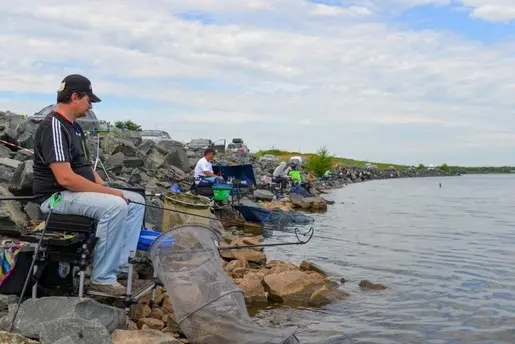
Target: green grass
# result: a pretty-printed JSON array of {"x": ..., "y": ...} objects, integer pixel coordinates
[{"x": 343, "y": 162}]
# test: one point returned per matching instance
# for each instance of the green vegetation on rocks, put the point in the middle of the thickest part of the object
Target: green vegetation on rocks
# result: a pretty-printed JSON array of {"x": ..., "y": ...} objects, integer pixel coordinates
[
  {"x": 351, "y": 163},
  {"x": 320, "y": 162}
]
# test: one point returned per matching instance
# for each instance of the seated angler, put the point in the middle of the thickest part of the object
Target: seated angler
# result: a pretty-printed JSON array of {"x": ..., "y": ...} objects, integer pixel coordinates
[
  {"x": 62, "y": 164},
  {"x": 280, "y": 174},
  {"x": 203, "y": 172}
]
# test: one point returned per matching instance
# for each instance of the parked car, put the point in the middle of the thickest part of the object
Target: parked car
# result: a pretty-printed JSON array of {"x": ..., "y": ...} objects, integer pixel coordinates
[
  {"x": 237, "y": 146},
  {"x": 268, "y": 157},
  {"x": 88, "y": 123},
  {"x": 154, "y": 135},
  {"x": 195, "y": 144},
  {"x": 201, "y": 144}
]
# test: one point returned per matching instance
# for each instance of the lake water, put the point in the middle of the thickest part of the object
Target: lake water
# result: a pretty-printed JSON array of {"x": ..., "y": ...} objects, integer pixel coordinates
[{"x": 446, "y": 254}]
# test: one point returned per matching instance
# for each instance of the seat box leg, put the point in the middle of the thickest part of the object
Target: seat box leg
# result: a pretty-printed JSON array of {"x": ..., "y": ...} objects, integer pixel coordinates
[
  {"x": 83, "y": 263},
  {"x": 37, "y": 269},
  {"x": 128, "y": 291},
  {"x": 35, "y": 285},
  {"x": 152, "y": 300}
]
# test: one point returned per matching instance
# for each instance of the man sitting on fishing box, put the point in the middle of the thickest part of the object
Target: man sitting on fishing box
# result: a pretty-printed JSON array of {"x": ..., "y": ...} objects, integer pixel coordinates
[
  {"x": 62, "y": 164},
  {"x": 203, "y": 172}
]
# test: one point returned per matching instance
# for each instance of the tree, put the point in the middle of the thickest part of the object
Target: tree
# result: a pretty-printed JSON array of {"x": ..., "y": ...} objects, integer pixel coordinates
[
  {"x": 421, "y": 166},
  {"x": 445, "y": 168},
  {"x": 320, "y": 162},
  {"x": 129, "y": 125}
]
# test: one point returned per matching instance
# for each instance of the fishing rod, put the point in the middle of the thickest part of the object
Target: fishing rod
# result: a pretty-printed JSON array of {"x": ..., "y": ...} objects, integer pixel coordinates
[
  {"x": 53, "y": 201},
  {"x": 308, "y": 235},
  {"x": 276, "y": 226}
]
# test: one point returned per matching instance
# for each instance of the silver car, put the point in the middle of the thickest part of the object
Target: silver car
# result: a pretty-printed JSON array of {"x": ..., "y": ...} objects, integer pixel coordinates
[{"x": 154, "y": 135}]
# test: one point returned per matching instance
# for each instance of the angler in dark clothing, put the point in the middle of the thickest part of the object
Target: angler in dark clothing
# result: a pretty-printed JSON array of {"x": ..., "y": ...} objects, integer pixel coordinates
[{"x": 62, "y": 164}]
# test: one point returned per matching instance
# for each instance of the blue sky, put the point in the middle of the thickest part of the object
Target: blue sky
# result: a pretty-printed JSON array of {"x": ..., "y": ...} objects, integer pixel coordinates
[{"x": 401, "y": 81}]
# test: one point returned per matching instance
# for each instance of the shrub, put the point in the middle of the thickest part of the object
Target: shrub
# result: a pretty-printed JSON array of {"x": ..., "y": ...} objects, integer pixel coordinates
[
  {"x": 320, "y": 162},
  {"x": 129, "y": 125}
]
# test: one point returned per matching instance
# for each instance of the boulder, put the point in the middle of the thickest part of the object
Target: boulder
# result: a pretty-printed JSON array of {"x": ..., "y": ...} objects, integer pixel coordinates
[
  {"x": 7, "y": 168},
  {"x": 140, "y": 311},
  {"x": 13, "y": 338},
  {"x": 115, "y": 162},
  {"x": 5, "y": 152},
  {"x": 8, "y": 123},
  {"x": 175, "y": 154},
  {"x": 253, "y": 289},
  {"x": 24, "y": 133},
  {"x": 12, "y": 217},
  {"x": 367, "y": 285},
  {"x": 113, "y": 143},
  {"x": 310, "y": 266},
  {"x": 263, "y": 195},
  {"x": 152, "y": 323},
  {"x": 248, "y": 254},
  {"x": 5, "y": 301},
  {"x": 132, "y": 162},
  {"x": 326, "y": 295},
  {"x": 35, "y": 314},
  {"x": 74, "y": 331},
  {"x": 22, "y": 179},
  {"x": 142, "y": 337},
  {"x": 293, "y": 287}
]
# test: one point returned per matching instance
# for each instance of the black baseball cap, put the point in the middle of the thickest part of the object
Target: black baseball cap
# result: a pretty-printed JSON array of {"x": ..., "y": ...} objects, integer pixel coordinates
[{"x": 79, "y": 83}]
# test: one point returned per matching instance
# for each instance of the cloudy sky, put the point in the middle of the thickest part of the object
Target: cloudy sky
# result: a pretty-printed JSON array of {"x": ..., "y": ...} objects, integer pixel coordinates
[{"x": 402, "y": 81}]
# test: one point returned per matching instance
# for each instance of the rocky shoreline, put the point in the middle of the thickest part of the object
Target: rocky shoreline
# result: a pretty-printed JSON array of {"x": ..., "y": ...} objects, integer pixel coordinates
[{"x": 131, "y": 162}]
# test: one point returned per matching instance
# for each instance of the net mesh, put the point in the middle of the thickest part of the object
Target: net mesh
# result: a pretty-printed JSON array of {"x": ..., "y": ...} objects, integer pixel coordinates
[
  {"x": 181, "y": 209},
  {"x": 209, "y": 307}
]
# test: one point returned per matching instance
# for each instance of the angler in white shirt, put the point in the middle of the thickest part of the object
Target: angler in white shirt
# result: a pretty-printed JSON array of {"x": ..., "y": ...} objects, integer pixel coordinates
[{"x": 204, "y": 168}]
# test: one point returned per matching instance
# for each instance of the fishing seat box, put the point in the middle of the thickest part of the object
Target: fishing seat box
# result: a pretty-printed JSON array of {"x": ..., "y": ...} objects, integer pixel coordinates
[
  {"x": 61, "y": 253},
  {"x": 14, "y": 283}
]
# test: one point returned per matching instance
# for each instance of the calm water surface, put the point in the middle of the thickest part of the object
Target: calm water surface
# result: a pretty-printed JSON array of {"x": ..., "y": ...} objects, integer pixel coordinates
[{"x": 447, "y": 255}]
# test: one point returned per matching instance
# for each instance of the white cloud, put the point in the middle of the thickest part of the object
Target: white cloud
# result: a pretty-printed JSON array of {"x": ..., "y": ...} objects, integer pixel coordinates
[{"x": 291, "y": 65}]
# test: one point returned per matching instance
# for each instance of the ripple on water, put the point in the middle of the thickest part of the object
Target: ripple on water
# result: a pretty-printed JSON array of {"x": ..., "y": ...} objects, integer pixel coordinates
[{"x": 447, "y": 256}]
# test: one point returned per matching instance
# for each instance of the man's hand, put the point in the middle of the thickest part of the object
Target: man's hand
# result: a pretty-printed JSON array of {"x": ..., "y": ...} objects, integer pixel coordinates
[{"x": 120, "y": 194}]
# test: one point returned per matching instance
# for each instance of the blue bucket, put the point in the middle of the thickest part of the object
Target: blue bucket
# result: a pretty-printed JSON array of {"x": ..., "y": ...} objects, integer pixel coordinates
[{"x": 147, "y": 237}]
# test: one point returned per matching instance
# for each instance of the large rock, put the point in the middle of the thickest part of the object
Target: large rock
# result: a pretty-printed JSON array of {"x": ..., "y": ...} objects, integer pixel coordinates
[
  {"x": 248, "y": 254},
  {"x": 306, "y": 265},
  {"x": 326, "y": 295},
  {"x": 7, "y": 168},
  {"x": 113, "y": 143},
  {"x": 21, "y": 182},
  {"x": 13, "y": 338},
  {"x": 35, "y": 314},
  {"x": 5, "y": 152},
  {"x": 175, "y": 154},
  {"x": 12, "y": 218},
  {"x": 293, "y": 287},
  {"x": 253, "y": 289},
  {"x": 8, "y": 125},
  {"x": 24, "y": 133},
  {"x": 115, "y": 163},
  {"x": 143, "y": 337},
  {"x": 74, "y": 331}
]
